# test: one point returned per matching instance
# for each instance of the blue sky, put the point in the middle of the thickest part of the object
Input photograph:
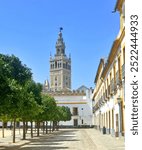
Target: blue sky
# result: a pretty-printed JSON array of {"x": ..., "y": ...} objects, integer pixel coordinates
[{"x": 29, "y": 30}]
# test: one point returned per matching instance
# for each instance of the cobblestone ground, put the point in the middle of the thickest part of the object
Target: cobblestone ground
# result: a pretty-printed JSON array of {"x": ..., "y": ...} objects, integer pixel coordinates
[{"x": 70, "y": 139}]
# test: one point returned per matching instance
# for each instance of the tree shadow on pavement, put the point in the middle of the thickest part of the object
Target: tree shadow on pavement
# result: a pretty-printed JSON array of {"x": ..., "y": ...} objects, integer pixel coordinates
[{"x": 52, "y": 141}]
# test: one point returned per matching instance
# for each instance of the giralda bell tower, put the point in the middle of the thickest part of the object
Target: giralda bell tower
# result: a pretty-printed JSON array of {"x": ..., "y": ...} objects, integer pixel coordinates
[{"x": 60, "y": 67}]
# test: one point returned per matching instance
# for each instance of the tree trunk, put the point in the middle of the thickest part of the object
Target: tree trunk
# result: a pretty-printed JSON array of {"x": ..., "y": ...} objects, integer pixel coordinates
[
  {"x": 53, "y": 126},
  {"x": 46, "y": 127},
  {"x": 35, "y": 130},
  {"x": 58, "y": 126},
  {"x": 19, "y": 128},
  {"x": 24, "y": 130},
  {"x": 11, "y": 126},
  {"x": 14, "y": 129},
  {"x": 43, "y": 127},
  {"x": 38, "y": 124},
  {"x": 31, "y": 129},
  {"x": 26, "y": 126},
  {"x": 50, "y": 126},
  {"x": 3, "y": 129}
]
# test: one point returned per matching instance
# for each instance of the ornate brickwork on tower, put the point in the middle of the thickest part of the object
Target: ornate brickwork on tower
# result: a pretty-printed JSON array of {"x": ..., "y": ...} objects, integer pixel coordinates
[{"x": 60, "y": 67}]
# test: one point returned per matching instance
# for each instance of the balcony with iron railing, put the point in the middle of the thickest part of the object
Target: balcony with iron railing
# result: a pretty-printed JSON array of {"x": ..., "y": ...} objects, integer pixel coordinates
[
  {"x": 109, "y": 90},
  {"x": 112, "y": 86},
  {"x": 104, "y": 97},
  {"x": 96, "y": 107},
  {"x": 117, "y": 78},
  {"x": 106, "y": 94},
  {"x": 100, "y": 101},
  {"x": 75, "y": 111},
  {"x": 75, "y": 114},
  {"x": 93, "y": 109},
  {"x": 123, "y": 71}
]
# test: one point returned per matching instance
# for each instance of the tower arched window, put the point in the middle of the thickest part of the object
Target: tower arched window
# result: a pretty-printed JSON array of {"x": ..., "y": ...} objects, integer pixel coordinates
[
  {"x": 63, "y": 65},
  {"x": 58, "y": 51},
  {"x": 55, "y": 64},
  {"x": 63, "y": 51}
]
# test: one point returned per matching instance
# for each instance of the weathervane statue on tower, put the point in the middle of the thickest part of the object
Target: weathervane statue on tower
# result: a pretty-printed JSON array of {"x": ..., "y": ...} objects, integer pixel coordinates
[{"x": 61, "y": 28}]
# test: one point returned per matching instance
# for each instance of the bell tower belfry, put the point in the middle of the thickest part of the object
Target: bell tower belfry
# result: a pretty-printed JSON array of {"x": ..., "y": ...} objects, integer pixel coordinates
[{"x": 60, "y": 67}]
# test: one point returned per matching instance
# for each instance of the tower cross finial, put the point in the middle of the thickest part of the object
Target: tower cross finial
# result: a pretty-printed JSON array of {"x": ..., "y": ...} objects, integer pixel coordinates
[{"x": 61, "y": 28}]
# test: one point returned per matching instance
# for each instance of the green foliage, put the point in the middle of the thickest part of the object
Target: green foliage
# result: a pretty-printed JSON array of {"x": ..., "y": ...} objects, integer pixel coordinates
[
  {"x": 20, "y": 96},
  {"x": 61, "y": 113},
  {"x": 49, "y": 107},
  {"x": 36, "y": 89},
  {"x": 4, "y": 84},
  {"x": 68, "y": 113},
  {"x": 28, "y": 106},
  {"x": 13, "y": 75},
  {"x": 15, "y": 69},
  {"x": 64, "y": 112}
]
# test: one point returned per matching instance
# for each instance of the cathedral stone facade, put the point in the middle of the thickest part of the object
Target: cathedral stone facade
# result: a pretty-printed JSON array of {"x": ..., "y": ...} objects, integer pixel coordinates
[{"x": 60, "y": 68}]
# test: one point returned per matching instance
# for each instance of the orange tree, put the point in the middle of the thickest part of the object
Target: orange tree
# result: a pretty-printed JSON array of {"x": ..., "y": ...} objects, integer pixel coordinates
[
  {"x": 29, "y": 108},
  {"x": 49, "y": 109},
  {"x": 14, "y": 75}
]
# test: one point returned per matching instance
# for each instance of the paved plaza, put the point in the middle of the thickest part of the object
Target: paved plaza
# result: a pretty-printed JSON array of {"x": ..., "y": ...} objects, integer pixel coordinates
[{"x": 72, "y": 139}]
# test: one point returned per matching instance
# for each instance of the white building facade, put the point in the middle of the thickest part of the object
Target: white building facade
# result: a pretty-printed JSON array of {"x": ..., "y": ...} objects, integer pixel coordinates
[
  {"x": 80, "y": 105},
  {"x": 109, "y": 92}
]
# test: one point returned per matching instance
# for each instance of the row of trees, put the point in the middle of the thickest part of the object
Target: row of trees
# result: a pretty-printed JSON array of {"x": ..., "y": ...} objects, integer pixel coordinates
[{"x": 21, "y": 98}]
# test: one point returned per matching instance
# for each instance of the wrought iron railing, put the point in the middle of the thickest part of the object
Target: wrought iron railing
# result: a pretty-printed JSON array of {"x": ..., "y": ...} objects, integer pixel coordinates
[
  {"x": 117, "y": 78},
  {"x": 123, "y": 71},
  {"x": 112, "y": 86}
]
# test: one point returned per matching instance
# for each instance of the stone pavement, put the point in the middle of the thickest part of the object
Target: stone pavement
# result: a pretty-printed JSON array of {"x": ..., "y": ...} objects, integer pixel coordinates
[
  {"x": 106, "y": 142},
  {"x": 72, "y": 139}
]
